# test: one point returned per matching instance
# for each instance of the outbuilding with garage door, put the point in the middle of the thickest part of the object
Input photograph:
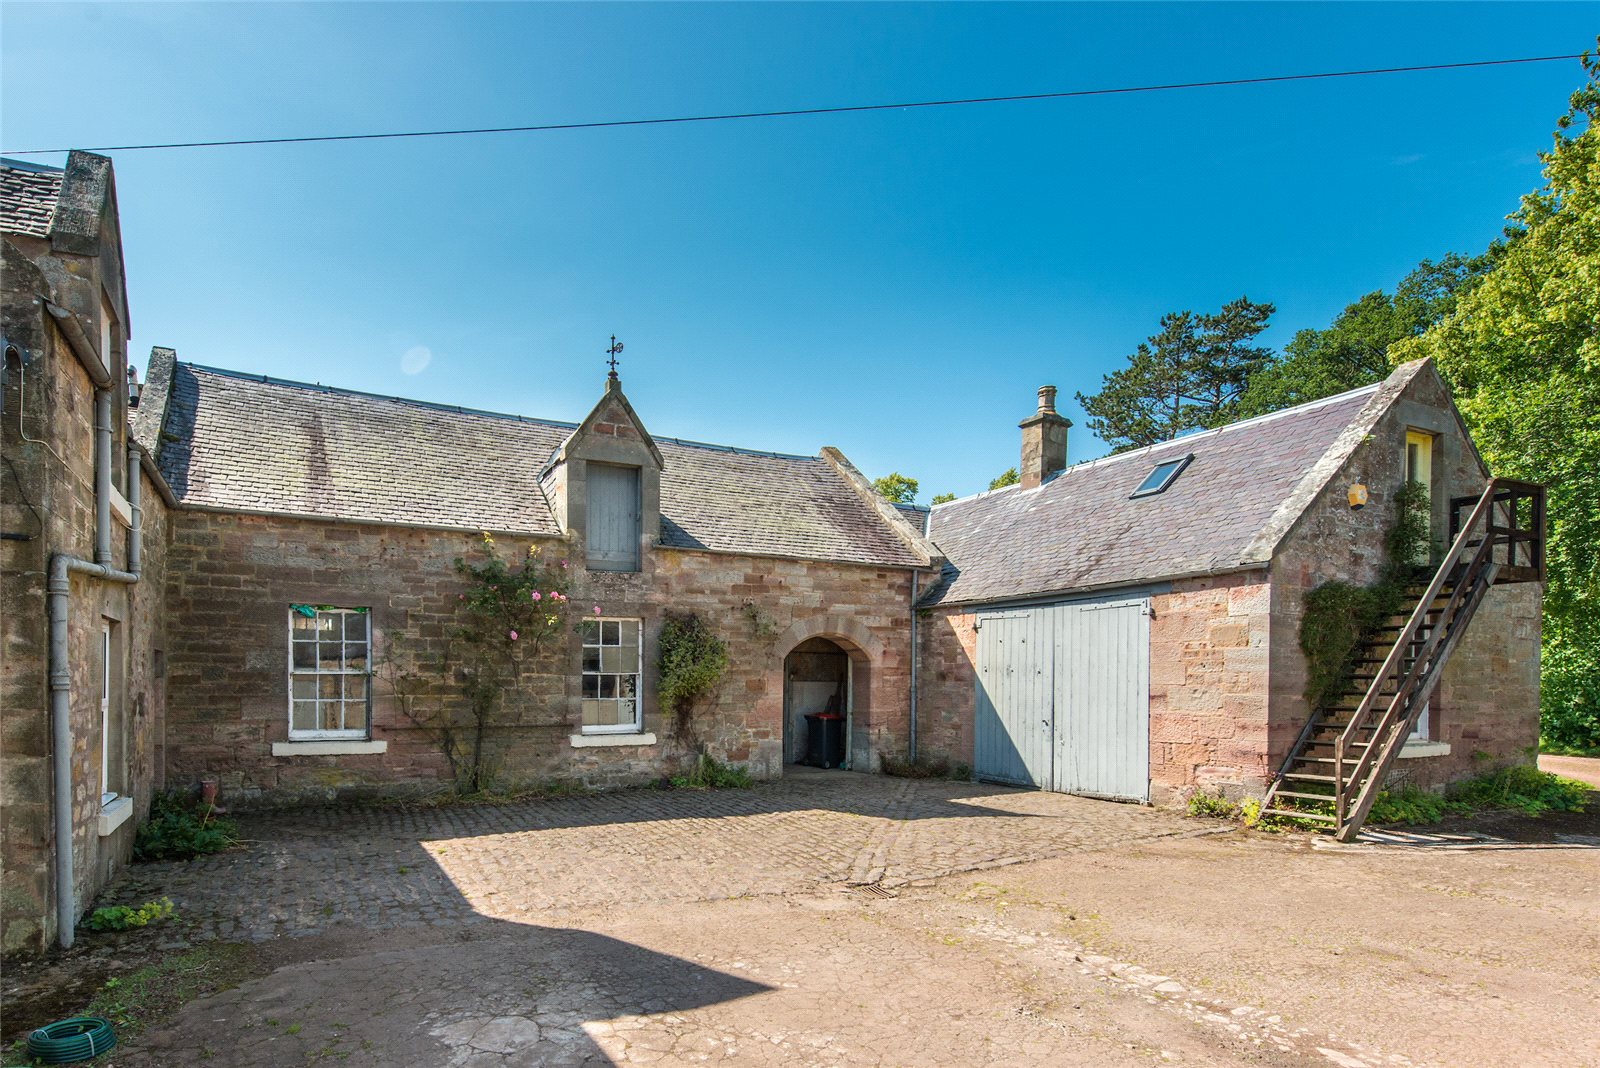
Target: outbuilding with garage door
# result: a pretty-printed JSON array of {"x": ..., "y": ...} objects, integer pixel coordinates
[{"x": 1129, "y": 627}]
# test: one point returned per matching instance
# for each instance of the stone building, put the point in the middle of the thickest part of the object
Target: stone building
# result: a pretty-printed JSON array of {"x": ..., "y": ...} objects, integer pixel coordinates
[
  {"x": 1130, "y": 626},
  {"x": 82, "y": 561},
  {"x": 241, "y": 579}
]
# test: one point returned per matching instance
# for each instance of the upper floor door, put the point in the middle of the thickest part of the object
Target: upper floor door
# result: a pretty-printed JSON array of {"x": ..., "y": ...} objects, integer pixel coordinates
[{"x": 611, "y": 520}]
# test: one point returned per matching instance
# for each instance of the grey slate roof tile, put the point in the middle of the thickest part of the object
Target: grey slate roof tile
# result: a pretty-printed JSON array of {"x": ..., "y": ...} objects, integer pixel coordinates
[
  {"x": 242, "y": 442},
  {"x": 28, "y": 196},
  {"x": 1082, "y": 531}
]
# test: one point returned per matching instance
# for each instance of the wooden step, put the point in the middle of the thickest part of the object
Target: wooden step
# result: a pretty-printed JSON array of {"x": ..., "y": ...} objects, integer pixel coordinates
[
  {"x": 1320, "y": 817},
  {"x": 1303, "y": 776},
  {"x": 1326, "y": 799}
]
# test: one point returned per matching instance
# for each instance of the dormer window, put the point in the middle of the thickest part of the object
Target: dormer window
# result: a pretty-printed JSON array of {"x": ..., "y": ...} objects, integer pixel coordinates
[
  {"x": 612, "y": 518},
  {"x": 1161, "y": 476}
]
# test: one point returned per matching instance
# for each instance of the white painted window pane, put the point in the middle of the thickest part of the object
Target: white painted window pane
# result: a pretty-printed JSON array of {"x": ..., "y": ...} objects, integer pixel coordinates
[
  {"x": 355, "y": 697},
  {"x": 304, "y": 716}
]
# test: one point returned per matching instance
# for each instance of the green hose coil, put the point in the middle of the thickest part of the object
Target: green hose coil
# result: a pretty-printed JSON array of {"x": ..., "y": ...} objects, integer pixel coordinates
[{"x": 81, "y": 1038}]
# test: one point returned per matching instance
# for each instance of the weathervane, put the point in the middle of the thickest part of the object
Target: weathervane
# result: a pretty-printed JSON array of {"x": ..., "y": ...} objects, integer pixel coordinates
[{"x": 615, "y": 350}]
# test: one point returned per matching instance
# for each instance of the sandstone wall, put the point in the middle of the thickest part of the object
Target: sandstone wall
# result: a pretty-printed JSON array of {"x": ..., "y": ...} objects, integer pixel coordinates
[
  {"x": 47, "y": 499},
  {"x": 1488, "y": 700},
  {"x": 234, "y": 577}
]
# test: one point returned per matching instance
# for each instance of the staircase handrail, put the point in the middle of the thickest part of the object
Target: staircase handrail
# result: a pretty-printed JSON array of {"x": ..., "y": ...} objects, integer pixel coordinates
[{"x": 1458, "y": 548}]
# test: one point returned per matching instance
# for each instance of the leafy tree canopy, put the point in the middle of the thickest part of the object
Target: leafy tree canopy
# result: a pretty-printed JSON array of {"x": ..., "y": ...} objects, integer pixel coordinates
[
  {"x": 1522, "y": 352},
  {"x": 1354, "y": 350},
  {"x": 944, "y": 498},
  {"x": 896, "y": 488},
  {"x": 1008, "y": 477},
  {"x": 1189, "y": 375}
]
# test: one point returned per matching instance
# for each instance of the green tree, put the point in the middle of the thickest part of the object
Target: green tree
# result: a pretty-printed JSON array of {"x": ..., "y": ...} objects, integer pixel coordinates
[
  {"x": 944, "y": 498},
  {"x": 1354, "y": 349},
  {"x": 1188, "y": 375},
  {"x": 896, "y": 488},
  {"x": 1523, "y": 354},
  {"x": 1008, "y": 477}
]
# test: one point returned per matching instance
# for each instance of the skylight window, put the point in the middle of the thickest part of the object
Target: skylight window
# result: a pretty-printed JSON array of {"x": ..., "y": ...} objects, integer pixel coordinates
[{"x": 1162, "y": 476}]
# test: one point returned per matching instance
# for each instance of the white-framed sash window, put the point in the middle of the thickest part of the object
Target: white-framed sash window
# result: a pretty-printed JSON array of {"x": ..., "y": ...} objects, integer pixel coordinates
[
  {"x": 330, "y": 672},
  {"x": 612, "y": 659}
]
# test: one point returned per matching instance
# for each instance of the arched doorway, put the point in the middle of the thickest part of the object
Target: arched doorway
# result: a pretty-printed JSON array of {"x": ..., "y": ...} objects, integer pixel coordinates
[{"x": 817, "y": 677}]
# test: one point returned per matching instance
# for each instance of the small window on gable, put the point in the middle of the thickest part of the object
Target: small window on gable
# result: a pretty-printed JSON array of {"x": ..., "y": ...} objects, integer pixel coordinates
[{"x": 1162, "y": 476}]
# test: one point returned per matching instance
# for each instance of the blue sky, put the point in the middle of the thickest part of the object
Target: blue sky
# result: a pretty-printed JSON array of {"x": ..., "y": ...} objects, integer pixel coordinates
[{"x": 894, "y": 283}]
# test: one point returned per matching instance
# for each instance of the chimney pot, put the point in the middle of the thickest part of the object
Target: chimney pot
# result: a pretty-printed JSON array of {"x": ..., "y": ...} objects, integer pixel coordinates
[{"x": 1044, "y": 441}]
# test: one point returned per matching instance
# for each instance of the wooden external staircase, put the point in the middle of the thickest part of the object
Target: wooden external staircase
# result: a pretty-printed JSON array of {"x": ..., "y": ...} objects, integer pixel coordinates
[{"x": 1338, "y": 764}]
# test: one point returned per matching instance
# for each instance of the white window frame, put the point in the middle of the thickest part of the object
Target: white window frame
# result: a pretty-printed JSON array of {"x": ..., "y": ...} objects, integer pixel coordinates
[
  {"x": 318, "y": 672},
  {"x": 637, "y": 724},
  {"x": 107, "y": 795}
]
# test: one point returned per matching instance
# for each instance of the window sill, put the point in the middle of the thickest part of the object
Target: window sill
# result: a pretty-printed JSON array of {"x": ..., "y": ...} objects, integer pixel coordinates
[
  {"x": 1418, "y": 748},
  {"x": 121, "y": 510},
  {"x": 586, "y": 741},
  {"x": 114, "y": 814},
  {"x": 329, "y": 747}
]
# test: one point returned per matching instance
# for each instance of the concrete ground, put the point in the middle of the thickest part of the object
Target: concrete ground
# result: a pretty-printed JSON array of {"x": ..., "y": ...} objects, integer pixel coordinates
[
  {"x": 845, "y": 919},
  {"x": 1584, "y": 769}
]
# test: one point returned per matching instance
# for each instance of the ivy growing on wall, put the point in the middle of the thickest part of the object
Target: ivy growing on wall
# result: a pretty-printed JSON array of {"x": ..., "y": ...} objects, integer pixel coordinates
[
  {"x": 1341, "y": 617},
  {"x": 691, "y": 661}
]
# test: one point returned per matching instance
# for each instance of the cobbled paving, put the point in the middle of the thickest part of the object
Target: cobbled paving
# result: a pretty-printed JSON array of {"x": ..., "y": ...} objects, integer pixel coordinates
[{"x": 312, "y": 871}]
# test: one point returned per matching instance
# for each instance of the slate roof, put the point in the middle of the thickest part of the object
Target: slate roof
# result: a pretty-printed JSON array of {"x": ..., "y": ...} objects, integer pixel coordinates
[
  {"x": 243, "y": 442},
  {"x": 28, "y": 195},
  {"x": 1081, "y": 530}
]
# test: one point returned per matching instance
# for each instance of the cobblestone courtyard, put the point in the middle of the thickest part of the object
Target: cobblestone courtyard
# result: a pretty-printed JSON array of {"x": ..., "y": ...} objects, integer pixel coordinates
[
  {"x": 837, "y": 919},
  {"x": 309, "y": 871}
]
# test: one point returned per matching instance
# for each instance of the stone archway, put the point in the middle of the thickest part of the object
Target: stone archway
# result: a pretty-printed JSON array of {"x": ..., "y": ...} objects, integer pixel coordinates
[
  {"x": 827, "y": 661},
  {"x": 817, "y": 683}
]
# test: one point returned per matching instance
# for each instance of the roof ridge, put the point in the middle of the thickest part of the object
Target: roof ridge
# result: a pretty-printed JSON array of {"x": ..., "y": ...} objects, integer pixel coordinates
[
  {"x": 318, "y": 387},
  {"x": 1144, "y": 450},
  {"x": 690, "y": 444},
  {"x": 248, "y": 376},
  {"x": 1254, "y": 420},
  {"x": 28, "y": 165}
]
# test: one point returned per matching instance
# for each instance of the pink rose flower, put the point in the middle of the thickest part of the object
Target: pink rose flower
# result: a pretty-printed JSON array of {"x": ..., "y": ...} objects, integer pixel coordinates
[
  {"x": 513, "y": 635},
  {"x": 596, "y": 609},
  {"x": 535, "y": 595}
]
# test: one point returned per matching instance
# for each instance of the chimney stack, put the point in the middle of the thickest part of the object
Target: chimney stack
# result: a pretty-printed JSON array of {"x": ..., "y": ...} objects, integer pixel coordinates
[{"x": 1044, "y": 441}]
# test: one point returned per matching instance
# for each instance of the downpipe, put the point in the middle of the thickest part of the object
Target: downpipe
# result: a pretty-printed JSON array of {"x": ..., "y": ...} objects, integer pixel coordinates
[
  {"x": 102, "y": 476},
  {"x": 911, "y": 742},
  {"x": 58, "y": 590}
]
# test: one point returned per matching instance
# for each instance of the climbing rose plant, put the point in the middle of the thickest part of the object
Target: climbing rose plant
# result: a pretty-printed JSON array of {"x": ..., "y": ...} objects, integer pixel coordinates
[{"x": 510, "y": 612}]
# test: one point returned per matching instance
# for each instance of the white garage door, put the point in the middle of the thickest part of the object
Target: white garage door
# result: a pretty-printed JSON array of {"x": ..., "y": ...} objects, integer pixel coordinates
[{"x": 1063, "y": 698}]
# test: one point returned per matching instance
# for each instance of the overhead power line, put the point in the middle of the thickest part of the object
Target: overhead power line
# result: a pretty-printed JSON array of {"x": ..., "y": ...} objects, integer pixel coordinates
[{"x": 796, "y": 112}]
